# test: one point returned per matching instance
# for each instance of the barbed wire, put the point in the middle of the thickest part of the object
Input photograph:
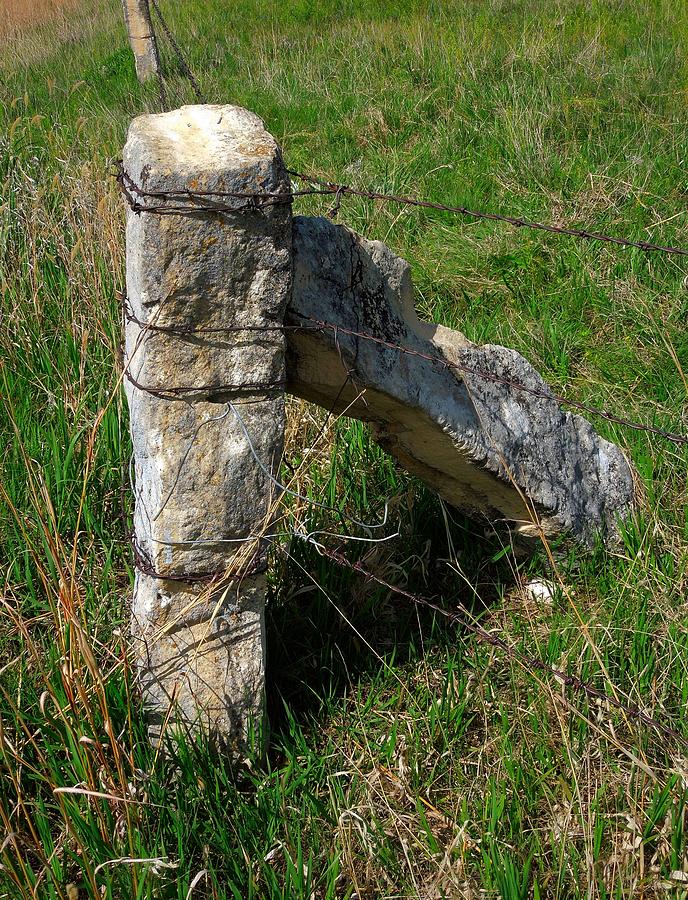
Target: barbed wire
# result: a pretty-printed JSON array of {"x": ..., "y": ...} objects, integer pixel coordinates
[
  {"x": 189, "y": 201},
  {"x": 317, "y": 325},
  {"x": 342, "y": 190},
  {"x": 183, "y": 201},
  {"x": 464, "y": 617},
  {"x": 176, "y": 202},
  {"x": 517, "y": 385},
  {"x": 186, "y": 69}
]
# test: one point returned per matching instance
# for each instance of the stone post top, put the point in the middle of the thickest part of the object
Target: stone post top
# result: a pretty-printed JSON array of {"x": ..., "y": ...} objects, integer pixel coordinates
[{"x": 197, "y": 144}]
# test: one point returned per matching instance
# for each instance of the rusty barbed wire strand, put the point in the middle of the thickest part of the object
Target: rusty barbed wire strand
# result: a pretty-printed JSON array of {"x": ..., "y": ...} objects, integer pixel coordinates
[
  {"x": 341, "y": 190},
  {"x": 466, "y": 619},
  {"x": 498, "y": 379},
  {"x": 143, "y": 564},
  {"x": 319, "y": 325},
  {"x": 180, "y": 56},
  {"x": 463, "y": 617},
  {"x": 180, "y": 202},
  {"x": 321, "y": 187}
]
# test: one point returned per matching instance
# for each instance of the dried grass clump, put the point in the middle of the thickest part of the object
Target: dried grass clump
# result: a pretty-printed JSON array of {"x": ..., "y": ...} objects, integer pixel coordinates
[{"x": 18, "y": 14}]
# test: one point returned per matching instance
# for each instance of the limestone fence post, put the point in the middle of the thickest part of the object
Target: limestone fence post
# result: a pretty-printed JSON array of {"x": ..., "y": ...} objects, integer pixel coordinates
[
  {"x": 142, "y": 41},
  {"x": 205, "y": 386}
]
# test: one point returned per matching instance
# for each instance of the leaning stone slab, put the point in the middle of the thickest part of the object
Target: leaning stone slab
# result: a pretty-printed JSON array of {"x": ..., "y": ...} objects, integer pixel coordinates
[
  {"x": 447, "y": 411},
  {"x": 206, "y": 402}
]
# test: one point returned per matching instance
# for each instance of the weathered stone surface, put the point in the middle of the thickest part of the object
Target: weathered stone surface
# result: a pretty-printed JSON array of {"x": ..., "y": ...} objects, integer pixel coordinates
[
  {"x": 202, "y": 652},
  {"x": 502, "y": 454},
  {"x": 193, "y": 398}
]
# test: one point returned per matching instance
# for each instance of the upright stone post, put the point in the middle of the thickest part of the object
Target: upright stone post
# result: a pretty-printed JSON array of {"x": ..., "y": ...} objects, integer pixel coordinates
[
  {"x": 206, "y": 295},
  {"x": 142, "y": 41}
]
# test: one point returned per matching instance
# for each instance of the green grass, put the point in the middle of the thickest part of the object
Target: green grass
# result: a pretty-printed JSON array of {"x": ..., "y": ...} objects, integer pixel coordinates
[{"x": 407, "y": 759}]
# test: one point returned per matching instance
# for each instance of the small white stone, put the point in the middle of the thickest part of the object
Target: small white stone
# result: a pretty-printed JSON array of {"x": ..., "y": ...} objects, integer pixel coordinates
[{"x": 539, "y": 590}]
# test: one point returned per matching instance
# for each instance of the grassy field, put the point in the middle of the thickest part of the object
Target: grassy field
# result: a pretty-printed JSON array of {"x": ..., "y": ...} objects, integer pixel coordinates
[{"x": 407, "y": 759}]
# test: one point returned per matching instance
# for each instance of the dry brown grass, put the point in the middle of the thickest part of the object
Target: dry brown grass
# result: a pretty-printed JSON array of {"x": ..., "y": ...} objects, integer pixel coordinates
[{"x": 20, "y": 14}]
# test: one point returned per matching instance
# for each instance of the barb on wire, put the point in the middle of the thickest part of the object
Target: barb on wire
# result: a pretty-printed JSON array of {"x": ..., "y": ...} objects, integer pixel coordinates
[{"x": 465, "y": 618}]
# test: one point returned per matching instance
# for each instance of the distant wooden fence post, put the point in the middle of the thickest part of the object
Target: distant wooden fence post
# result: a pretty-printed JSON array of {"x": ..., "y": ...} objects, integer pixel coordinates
[{"x": 141, "y": 38}]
